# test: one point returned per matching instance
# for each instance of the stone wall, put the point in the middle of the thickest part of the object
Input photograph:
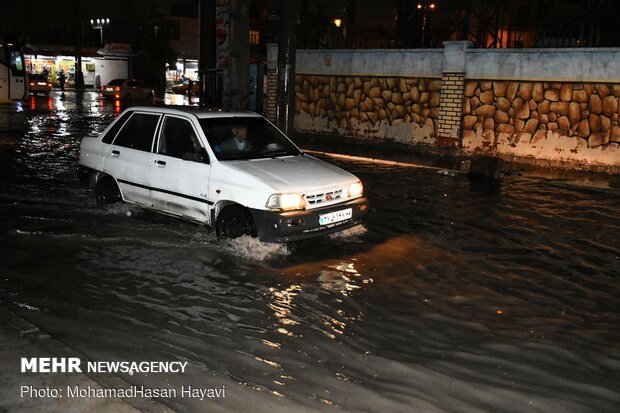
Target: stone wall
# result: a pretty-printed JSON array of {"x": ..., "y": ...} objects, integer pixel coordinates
[
  {"x": 403, "y": 109},
  {"x": 544, "y": 120}
]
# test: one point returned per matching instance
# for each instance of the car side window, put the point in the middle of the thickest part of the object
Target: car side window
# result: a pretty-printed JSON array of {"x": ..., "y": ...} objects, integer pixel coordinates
[
  {"x": 131, "y": 83},
  {"x": 111, "y": 134},
  {"x": 178, "y": 139},
  {"x": 138, "y": 132}
]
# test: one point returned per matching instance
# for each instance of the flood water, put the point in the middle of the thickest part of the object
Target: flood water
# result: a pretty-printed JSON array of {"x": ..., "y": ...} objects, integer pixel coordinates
[{"x": 453, "y": 297}]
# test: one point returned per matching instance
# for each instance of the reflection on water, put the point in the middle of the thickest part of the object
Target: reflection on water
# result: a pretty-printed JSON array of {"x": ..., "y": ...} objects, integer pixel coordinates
[
  {"x": 451, "y": 297},
  {"x": 281, "y": 305}
]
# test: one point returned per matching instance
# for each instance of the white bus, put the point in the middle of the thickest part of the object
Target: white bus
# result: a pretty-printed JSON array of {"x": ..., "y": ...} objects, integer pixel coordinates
[{"x": 13, "y": 85}]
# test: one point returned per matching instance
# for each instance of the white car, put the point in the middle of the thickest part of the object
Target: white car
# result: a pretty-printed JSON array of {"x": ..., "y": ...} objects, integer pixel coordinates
[
  {"x": 127, "y": 89},
  {"x": 235, "y": 172}
]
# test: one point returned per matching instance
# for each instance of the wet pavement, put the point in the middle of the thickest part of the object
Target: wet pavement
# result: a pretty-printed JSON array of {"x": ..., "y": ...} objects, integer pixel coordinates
[{"x": 455, "y": 296}]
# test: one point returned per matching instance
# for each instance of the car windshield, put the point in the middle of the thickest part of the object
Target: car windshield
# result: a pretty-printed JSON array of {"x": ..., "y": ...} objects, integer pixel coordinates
[
  {"x": 116, "y": 82},
  {"x": 36, "y": 77},
  {"x": 245, "y": 137}
]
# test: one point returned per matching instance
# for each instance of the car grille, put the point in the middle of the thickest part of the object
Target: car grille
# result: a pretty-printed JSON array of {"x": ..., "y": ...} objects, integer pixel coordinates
[{"x": 325, "y": 197}]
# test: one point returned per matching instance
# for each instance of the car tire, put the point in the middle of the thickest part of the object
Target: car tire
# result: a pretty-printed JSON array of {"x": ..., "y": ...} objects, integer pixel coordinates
[
  {"x": 107, "y": 192},
  {"x": 234, "y": 221}
]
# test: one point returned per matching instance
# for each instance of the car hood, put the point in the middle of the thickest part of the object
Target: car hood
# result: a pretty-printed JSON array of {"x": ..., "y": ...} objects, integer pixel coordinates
[{"x": 294, "y": 173}]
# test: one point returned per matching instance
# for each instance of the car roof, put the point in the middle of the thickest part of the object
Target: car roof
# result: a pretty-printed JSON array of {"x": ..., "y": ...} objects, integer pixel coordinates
[
  {"x": 201, "y": 113},
  {"x": 125, "y": 80}
]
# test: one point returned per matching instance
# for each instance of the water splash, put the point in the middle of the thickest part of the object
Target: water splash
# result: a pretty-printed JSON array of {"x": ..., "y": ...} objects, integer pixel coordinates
[
  {"x": 353, "y": 232},
  {"x": 253, "y": 249}
]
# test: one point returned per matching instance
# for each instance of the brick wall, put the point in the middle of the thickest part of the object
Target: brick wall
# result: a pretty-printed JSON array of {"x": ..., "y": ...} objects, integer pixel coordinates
[
  {"x": 269, "y": 102},
  {"x": 450, "y": 106}
]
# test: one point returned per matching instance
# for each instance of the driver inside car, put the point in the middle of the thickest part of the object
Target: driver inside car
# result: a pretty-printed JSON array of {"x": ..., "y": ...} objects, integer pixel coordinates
[{"x": 238, "y": 142}]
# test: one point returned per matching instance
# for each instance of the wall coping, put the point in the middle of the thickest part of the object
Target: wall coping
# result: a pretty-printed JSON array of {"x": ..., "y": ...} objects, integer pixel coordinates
[
  {"x": 574, "y": 64},
  {"x": 548, "y": 50},
  {"x": 360, "y": 51},
  {"x": 371, "y": 62},
  {"x": 440, "y": 50},
  {"x": 478, "y": 50}
]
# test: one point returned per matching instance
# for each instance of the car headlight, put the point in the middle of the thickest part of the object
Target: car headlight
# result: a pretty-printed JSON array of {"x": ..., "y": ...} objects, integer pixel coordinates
[
  {"x": 286, "y": 202},
  {"x": 356, "y": 189}
]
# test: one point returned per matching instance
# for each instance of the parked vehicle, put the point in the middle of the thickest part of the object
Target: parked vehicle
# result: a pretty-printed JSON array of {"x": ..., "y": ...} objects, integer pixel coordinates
[
  {"x": 127, "y": 89},
  {"x": 182, "y": 88},
  {"x": 235, "y": 172},
  {"x": 39, "y": 84},
  {"x": 13, "y": 84}
]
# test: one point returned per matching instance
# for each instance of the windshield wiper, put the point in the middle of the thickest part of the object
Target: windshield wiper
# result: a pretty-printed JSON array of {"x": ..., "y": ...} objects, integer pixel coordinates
[{"x": 276, "y": 153}]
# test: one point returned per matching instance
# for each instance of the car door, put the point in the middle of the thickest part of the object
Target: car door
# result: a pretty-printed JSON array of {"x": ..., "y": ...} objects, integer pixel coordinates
[
  {"x": 180, "y": 170},
  {"x": 135, "y": 90},
  {"x": 129, "y": 156}
]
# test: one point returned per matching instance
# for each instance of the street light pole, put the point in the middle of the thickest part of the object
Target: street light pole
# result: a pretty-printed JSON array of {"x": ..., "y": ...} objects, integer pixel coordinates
[
  {"x": 350, "y": 26},
  {"x": 98, "y": 24},
  {"x": 425, "y": 8}
]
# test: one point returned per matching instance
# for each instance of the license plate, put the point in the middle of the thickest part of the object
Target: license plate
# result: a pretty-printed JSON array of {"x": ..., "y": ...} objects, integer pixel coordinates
[{"x": 334, "y": 217}]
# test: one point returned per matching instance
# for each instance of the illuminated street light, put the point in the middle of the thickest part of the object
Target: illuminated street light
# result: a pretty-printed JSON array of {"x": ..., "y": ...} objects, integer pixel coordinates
[
  {"x": 430, "y": 6},
  {"x": 337, "y": 22}
]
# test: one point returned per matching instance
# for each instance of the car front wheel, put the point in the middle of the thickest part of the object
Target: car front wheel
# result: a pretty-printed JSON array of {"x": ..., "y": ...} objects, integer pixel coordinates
[{"x": 234, "y": 221}]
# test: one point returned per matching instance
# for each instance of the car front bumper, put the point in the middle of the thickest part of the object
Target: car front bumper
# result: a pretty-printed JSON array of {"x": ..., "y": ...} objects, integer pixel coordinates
[{"x": 298, "y": 225}]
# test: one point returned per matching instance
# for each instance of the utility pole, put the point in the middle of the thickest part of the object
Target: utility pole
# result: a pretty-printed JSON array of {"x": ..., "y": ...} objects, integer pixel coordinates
[
  {"x": 303, "y": 19},
  {"x": 207, "y": 59},
  {"x": 286, "y": 65},
  {"x": 77, "y": 29},
  {"x": 239, "y": 56}
]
